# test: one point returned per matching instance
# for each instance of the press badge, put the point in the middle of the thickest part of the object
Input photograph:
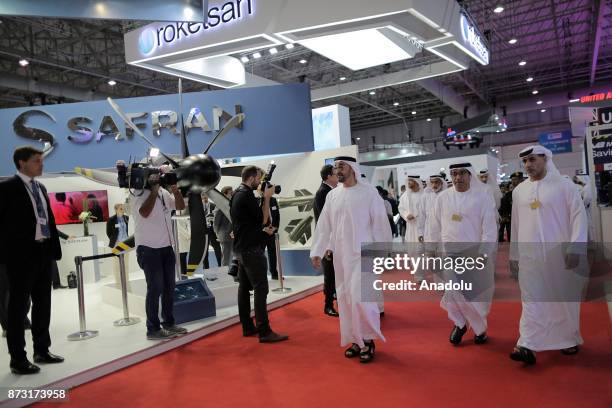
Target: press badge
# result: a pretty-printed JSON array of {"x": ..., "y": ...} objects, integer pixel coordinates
[{"x": 535, "y": 204}]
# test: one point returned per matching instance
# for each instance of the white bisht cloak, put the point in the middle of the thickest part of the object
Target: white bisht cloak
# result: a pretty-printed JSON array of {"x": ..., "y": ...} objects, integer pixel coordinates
[
  {"x": 478, "y": 224},
  {"x": 549, "y": 324},
  {"x": 352, "y": 216},
  {"x": 411, "y": 204}
]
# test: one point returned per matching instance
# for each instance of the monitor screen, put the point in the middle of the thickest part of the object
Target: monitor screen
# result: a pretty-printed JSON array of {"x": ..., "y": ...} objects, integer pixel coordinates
[{"x": 67, "y": 206}]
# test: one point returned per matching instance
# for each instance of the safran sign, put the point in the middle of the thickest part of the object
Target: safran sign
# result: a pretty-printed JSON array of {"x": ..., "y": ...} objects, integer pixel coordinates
[
  {"x": 472, "y": 38},
  {"x": 557, "y": 142}
]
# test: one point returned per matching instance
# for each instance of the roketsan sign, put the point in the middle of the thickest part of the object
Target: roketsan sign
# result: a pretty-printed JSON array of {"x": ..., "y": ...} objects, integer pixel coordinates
[
  {"x": 471, "y": 36},
  {"x": 154, "y": 37}
]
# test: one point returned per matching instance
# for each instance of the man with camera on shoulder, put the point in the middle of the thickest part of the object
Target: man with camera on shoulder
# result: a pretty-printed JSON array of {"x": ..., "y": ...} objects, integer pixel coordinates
[
  {"x": 151, "y": 211},
  {"x": 251, "y": 229}
]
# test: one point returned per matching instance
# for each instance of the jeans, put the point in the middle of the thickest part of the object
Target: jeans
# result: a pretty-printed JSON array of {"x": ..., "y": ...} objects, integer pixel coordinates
[
  {"x": 158, "y": 267},
  {"x": 252, "y": 274}
]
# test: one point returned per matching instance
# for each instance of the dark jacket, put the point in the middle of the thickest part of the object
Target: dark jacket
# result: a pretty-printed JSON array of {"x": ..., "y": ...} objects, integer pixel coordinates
[
  {"x": 247, "y": 220},
  {"x": 319, "y": 200},
  {"x": 275, "y": 212},
  {"x": 18, "y": 221},
  {"x": 112, "y": 232}
]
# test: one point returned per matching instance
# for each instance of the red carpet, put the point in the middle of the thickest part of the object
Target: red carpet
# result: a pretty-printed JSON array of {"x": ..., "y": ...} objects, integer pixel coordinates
[{"x": 417, "y": 367}]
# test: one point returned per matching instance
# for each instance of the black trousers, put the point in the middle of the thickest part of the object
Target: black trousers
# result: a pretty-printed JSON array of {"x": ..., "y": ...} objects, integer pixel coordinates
[
  {"x": 158, "y": 267},
  {"x": 214, "y": 242},
  {"x": 329, "y": 280},
  {"x": 252, "y": 274},
  {"x": 55, "y": 277},
  {"x": 504, "y": 226},
  {"x": 271, "y": 249},
  {"x": 29, "y": 277}
]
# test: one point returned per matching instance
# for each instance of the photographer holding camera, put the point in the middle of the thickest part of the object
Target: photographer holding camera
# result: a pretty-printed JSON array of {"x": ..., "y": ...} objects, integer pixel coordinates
[
  {"x": 251, "y": 229},
  {"x": 151, "y": 211}
]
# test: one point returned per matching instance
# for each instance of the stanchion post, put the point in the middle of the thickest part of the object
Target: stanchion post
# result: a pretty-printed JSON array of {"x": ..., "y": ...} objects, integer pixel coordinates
[
  {"x": 177, "y": 253},
  {"x": 83, "y": 334},
  {"x": 127, "y": 320},
  {"x": 279, "y": 267}
]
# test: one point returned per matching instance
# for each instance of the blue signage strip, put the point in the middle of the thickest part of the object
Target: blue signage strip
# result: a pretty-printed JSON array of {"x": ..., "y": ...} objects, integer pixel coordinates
[
  {"x": 278, "y": 120},
  {"x": 557, "y": 142}
]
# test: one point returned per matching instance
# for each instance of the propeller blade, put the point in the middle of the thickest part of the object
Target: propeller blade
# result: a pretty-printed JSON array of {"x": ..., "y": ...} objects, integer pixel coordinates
[
  {"x": 131, "y": 124},
  {"x": 232, "y": 123},
  {"x": 103, "y": 177},
  {"x": 199, "y": 237},
  {"x": 234, "y": 171},
  {"x": 220, "y": 201},
  {"x": 184, "y": 146}
]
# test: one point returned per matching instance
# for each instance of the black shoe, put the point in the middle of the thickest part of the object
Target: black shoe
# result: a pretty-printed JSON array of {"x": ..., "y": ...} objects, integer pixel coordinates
[
  {"x": 24, "y": 368},
  {"x": 330, "y": 311},
  {"x": 382, "y": 314},
  {"x": 60, "y": 286},
  {"x": 570, "y": 351},
  {"x": 523, "y": 354},
  {"x": 457, "y": 334},
  {"x": 273, "y": 338},
  {"x": 47, "y": 358},
  {"x": 481, "y": 338},
  {"x": 249, "y": 332},
  {"x": 365, "y": 356}
]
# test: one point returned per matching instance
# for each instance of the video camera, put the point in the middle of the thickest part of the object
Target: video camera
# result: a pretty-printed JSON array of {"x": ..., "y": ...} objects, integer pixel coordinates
[
  {"x": 136, "y": 176},
  {"x": 265, "y": 181}
]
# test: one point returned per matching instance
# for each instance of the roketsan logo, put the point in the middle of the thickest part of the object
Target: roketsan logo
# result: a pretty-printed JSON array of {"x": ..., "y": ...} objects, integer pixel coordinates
[{"x": 146, "y": 42}]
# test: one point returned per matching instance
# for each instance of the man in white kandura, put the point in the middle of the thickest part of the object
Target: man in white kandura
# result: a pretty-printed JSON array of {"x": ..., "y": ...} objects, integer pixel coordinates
[
  {"x": 354, "y": 213},
  {"x": 435, "y": 186},
  {"x": 466, "y": 214},
  {"x": 492, "y": 186},
  {"x": 410, "y": 209},
  {"x": 549, "y": 235}
]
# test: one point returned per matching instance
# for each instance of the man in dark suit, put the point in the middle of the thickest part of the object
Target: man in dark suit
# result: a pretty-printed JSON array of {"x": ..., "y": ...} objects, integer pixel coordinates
[
  {"x": 117, "y": 231},
  {"x": 270, "y": 240},
  {"x": 329, "y": 181},
  {"x": 30, "y": 245}
]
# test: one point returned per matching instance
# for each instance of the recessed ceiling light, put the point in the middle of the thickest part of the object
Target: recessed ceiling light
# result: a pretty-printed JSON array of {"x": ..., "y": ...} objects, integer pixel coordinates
[
  {"x": 244, "y": 59},
  {"x": 542, "y": 110},
  {"x": 574, "y": 100},
  {"x": 429, "y": 119},
  {"x": 396, "y": 104},
  {"x": 24, "y": 62},
  {"x": 289, "y": 46},
  {"x": 529, "y": 79},
  {"x": 535, "y": 92},
  {"x": 539, "y": 102},
  {"x": 343, "y": 78},
  {"x": 257, "y": 55},
  {"x": 303, "y": 61},
  {"x": 414, "y": 112},
  {"x": 358, "y": 138},
  {"x": 522, "y": 63},
  {"x": 497, "y": 131},
  {"x": 498, "y": 9},
  {"x": 273, "y": 51},
  {"x": 513, "y": 41},
  {"x": 112, "y": 82},
  {"x": 372, "y": 93}
]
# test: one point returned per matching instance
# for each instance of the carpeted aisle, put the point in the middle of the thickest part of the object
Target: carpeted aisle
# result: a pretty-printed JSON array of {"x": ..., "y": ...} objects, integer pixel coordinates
[{"x": 417, "y": 367}]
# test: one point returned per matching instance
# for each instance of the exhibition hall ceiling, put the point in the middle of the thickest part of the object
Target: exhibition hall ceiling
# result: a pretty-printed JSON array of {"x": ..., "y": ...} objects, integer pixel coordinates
[{"x": 563, "y": 45}]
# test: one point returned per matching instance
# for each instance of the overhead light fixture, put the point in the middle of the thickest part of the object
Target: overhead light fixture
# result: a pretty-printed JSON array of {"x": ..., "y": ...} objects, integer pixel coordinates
[
  {"x": 529, "y": 79},
  {"x": 112, "y": 82},
  {"x": 542, "y": 110},
  {"x": 273, "y": 51},
  {"x": 358, "y": 138},
  {"x": 257, "y": 55},
  {"x": 414, "y": 112},
  {"x": 24, "y": 62},
  {"x": 363, "y": 48},
  {"x": 289, "y": 46},
  {"x": 512, "y": 41},
  {"x": 404, "y": 151},
  {"x": 498, "y": 9},
  {"x": 539, "y": 102},
  {"x": 429, "y": 119},
  {"x": 497, "y": 131},
  {"x": 535, "y": 92},
  {"x": 303, "y": 61},
  {"x": 372, "y": 92},
  {"x": 574, "y": 100},
  {"x": 244, "y": 59},
  {"x": 522, "y": 63},
  {"x": 396, "y": 104},
  {"x": 342, "y": 78}
]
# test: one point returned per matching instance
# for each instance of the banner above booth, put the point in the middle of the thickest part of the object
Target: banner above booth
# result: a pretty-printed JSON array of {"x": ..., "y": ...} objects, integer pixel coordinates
[
  {"x": 277, "y": 121},
  {"x": 355, "y": 33}
]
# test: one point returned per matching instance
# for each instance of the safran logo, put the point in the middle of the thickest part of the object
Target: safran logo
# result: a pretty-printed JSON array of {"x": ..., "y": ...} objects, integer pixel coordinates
[{"x": 146, "y": 42}]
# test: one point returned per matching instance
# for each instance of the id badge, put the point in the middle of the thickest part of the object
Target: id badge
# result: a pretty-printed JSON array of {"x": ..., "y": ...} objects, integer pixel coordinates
[
  {"x": 535, "y": 204},
  {"x": 457, "y": 218}
]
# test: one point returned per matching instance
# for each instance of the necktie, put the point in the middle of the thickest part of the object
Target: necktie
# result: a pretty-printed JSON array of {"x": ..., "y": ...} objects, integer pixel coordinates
[{"x": 40, "y": 210}]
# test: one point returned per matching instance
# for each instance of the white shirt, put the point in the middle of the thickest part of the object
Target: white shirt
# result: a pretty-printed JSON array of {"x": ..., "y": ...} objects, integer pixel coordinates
[
  {"x": 155, "y": 231},
  {"x": 27, "y": 180}
]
